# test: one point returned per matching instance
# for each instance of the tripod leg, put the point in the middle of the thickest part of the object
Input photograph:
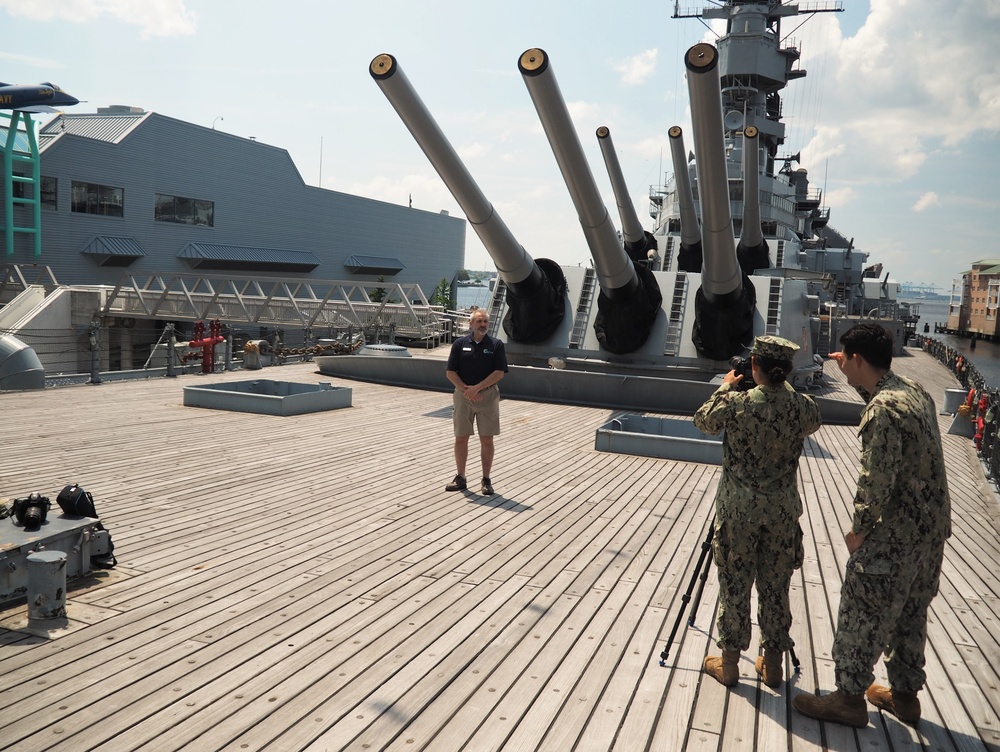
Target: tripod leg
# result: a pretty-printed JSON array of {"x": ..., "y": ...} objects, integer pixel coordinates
[
  {"x": 701, "y": 587},
  {"x": 706, "y": 546}
]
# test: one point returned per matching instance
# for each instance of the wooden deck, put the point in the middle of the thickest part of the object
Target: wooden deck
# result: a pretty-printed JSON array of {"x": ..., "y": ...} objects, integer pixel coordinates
[{"x": 304, "y": 583}]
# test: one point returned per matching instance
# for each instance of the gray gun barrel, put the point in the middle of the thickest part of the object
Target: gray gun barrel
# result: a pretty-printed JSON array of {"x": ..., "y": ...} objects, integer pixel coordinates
[
  {"x": 751, "y": 251},
  {"x": 726, "y": 301},
  {"x": 630, "y": 299},
  {"x": 637, "y": 241},
  {"x": 538, "y": 289},
  {"x": 689, "y": 258},
  {"x": 615, "y": 271}
]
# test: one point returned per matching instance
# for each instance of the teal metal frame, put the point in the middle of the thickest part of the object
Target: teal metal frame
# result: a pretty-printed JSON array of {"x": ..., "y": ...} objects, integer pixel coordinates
[{"x": 11, "y": 157}]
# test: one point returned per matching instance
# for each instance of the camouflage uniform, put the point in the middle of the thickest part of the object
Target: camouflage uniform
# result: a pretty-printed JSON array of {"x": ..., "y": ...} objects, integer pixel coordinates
[
  {"x": 903, "y": 509},
  {"x": 757, "y": 505}
]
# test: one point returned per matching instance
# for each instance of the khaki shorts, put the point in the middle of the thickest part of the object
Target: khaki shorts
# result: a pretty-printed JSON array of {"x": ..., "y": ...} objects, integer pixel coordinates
[{"x": 485, "y": 413}]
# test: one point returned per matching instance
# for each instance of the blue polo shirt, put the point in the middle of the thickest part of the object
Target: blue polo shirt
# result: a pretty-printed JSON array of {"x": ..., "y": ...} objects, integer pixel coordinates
[{"x": 474, "y": 362}]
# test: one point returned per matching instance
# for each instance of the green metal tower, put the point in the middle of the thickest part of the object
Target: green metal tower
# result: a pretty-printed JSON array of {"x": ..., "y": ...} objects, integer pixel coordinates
[{"x": 20, "y": 150}]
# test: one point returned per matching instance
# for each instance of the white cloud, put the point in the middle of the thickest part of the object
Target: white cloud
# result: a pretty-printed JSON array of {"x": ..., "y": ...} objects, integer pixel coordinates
[
  {"x": 927, "y": 201},
  {"x": 156, "y": 18},
  {"x": 638, "y": 68}
]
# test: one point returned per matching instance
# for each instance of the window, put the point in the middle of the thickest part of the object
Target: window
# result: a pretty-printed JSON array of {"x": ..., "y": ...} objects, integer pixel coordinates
[
  {"x": 91, "y": 198},
  {"x": 48, "y": 191},
  {"x": 186, "y": 211}
]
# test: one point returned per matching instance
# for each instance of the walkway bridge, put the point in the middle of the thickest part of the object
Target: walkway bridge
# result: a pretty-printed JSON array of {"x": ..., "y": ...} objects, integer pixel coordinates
[{"x": 257, "y": 301}]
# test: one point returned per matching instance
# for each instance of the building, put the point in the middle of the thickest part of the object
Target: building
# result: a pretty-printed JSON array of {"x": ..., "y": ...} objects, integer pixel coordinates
[
  {"x": 131, "y": 191},
  {"x": 133, "y": 198},
  {"x": 973, "y": 309}
]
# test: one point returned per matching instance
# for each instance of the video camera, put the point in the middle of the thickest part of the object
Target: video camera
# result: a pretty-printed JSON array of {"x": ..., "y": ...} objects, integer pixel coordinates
[
  {"x": 30, "y": 511},
  {"x": 743, "y": 367}
]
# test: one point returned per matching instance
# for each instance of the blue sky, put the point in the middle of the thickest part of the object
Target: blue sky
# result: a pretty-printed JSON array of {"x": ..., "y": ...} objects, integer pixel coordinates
[{"x": 897, "y": 120}]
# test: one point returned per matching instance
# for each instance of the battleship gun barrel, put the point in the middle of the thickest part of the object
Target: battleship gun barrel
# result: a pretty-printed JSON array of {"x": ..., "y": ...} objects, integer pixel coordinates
[
  {"x": 630, "y": 298},
  {"x": 637, "y": 240},
  {"x": 535, "y": 290},
  {"x": 615, "y": 271},
  {"x": 689, "y": 258},
  {"x": 726, "y": 301},
  {"x": 751, "y": 251}
]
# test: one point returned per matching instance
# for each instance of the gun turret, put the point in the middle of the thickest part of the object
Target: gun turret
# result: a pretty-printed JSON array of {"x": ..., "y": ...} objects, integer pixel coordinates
[
  {"x": 726, "y": 301},
  {"x": 630, "y": 298},
  {"x": 536, "y": 290},
  {"x": 752, "y": 250},
  {"x": 638, "y": 242},
  {"x": 689, "y": 258}
]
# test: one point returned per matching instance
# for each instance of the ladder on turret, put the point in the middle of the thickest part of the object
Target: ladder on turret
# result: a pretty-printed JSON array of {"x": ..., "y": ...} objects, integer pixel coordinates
[
  {"x": 675, "y": 317},
  {"x": 583, "y": 309},
  {"x": 773, "y": 324},
  {"x": 499, "y": 292}
]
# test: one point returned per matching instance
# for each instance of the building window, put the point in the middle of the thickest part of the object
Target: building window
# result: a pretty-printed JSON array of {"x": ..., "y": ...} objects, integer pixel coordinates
[
  {"x": 91, "y": 198},
  {"x": 48, "y": 191},
  {"x": 186, "y": 211}
]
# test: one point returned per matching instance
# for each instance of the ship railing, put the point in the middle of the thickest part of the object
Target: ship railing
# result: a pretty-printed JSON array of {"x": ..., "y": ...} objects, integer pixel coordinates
[{"x": 987, "y": 442}]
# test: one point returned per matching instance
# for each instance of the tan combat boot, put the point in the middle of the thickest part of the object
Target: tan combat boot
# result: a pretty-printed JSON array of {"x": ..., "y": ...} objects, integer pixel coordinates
[
  {"x": 725, "y": 670},
  {"x": 769, "y": 668},
  {"x": 904, "y": 705},
  {"x": 836, "y": 706}
]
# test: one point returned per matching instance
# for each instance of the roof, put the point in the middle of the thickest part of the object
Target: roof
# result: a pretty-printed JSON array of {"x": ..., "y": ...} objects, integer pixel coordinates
[
  {"x": 110, "y": 128},
  {"x": 212, "y": 256},
  {"x": 21, "y": 144},
  {"x": 110, "y": 250},
  {"x": 359, "y": 264}
]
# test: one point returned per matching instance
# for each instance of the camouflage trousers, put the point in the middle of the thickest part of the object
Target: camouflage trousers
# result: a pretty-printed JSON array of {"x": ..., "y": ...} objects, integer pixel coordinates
[
  {"x": 885, "y": 613},
  {"x": 766, "y": 554}
]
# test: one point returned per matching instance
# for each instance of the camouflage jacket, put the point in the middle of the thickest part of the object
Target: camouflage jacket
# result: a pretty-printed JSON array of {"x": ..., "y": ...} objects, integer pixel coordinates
[
  {"x": 764, "y": 430},
  {"x": 902, "y": 496}
]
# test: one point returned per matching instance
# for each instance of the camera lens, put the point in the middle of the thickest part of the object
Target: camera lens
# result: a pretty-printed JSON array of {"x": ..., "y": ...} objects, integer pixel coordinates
[{"x": 32, "y": 517}]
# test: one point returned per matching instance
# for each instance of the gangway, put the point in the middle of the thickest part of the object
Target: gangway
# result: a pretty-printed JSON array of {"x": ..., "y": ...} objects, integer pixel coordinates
[{"x": 276, "y": 301}]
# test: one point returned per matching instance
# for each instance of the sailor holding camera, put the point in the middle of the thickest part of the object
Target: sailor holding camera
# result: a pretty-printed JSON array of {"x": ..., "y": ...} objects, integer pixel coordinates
[{"x": 757, "y": 506}]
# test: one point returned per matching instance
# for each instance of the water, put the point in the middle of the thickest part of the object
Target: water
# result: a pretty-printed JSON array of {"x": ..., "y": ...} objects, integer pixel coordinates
[
  {"x": 466, "y": 297},
  {"x": 986, "y": 356}
]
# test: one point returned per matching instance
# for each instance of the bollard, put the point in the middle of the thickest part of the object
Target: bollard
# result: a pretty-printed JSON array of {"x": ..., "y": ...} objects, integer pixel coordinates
[{"x": 46, "y": 585}]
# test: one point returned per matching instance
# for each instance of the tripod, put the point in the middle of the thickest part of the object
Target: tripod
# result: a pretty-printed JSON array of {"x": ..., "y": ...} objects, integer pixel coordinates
[
  {"x": 704, "y": 560},
  {"x": 701, "y": 573}
]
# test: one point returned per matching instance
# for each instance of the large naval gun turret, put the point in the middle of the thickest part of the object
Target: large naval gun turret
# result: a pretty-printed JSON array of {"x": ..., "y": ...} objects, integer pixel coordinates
[
  {"x": 536, "y": 290},
  {"x": 629, "y": 298},
  {"x": 618, "y": 315},
  {"x": 738, "y": 247}
]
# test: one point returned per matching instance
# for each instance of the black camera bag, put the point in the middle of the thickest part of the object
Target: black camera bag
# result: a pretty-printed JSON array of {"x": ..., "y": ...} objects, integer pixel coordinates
[{"x": 74, "y": 500}]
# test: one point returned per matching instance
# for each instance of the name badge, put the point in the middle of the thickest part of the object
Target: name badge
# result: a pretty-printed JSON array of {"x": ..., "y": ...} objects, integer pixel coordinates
[{"x": 466, "y": 349}]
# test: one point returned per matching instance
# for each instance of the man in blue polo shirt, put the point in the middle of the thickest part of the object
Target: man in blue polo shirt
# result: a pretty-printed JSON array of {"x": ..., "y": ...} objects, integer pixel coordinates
[{"x": 476, "y": 363}]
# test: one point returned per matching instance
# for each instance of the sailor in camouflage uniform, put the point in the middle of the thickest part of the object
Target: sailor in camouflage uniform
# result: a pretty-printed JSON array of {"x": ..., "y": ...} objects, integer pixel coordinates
[
  {"x": 757, "y": 505},
  {"x": 902, "y": 517}
]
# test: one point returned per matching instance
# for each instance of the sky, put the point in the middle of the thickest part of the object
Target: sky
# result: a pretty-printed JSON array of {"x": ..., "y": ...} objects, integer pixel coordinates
[{"x": 897, "y": 121}]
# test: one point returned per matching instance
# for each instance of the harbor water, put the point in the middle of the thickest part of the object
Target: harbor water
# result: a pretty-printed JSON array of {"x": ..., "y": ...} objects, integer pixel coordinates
[{"x": 985, "y": 356}]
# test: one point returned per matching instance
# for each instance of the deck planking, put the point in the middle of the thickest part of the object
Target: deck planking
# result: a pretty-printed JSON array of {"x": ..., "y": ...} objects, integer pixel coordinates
[{"x": 304, "y": 583}]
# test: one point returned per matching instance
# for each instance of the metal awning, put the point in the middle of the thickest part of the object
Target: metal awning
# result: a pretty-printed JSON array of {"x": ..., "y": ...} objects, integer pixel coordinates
[
  {"x": 248, "y": 258},
  {"x": 110, "y": 250},
  {"x": 373, "y": 264}
]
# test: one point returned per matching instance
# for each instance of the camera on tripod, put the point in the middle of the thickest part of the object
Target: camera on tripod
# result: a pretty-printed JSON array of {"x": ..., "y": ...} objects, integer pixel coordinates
[
  {"x": 30, "y": 511},
  {"x": 743, "y": 367}
]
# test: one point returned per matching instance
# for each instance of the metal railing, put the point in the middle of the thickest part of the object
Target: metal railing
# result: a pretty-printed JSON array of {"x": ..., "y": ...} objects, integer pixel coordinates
[{"x": 277, "y": 302}]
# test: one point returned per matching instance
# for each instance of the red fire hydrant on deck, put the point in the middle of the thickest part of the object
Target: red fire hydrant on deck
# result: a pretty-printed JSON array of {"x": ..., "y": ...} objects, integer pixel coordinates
[{"x": 207, "y": 344}]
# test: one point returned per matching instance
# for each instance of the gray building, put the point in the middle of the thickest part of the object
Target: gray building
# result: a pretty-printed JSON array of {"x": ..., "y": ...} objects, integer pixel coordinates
[{"x": 136, "y": 191}]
